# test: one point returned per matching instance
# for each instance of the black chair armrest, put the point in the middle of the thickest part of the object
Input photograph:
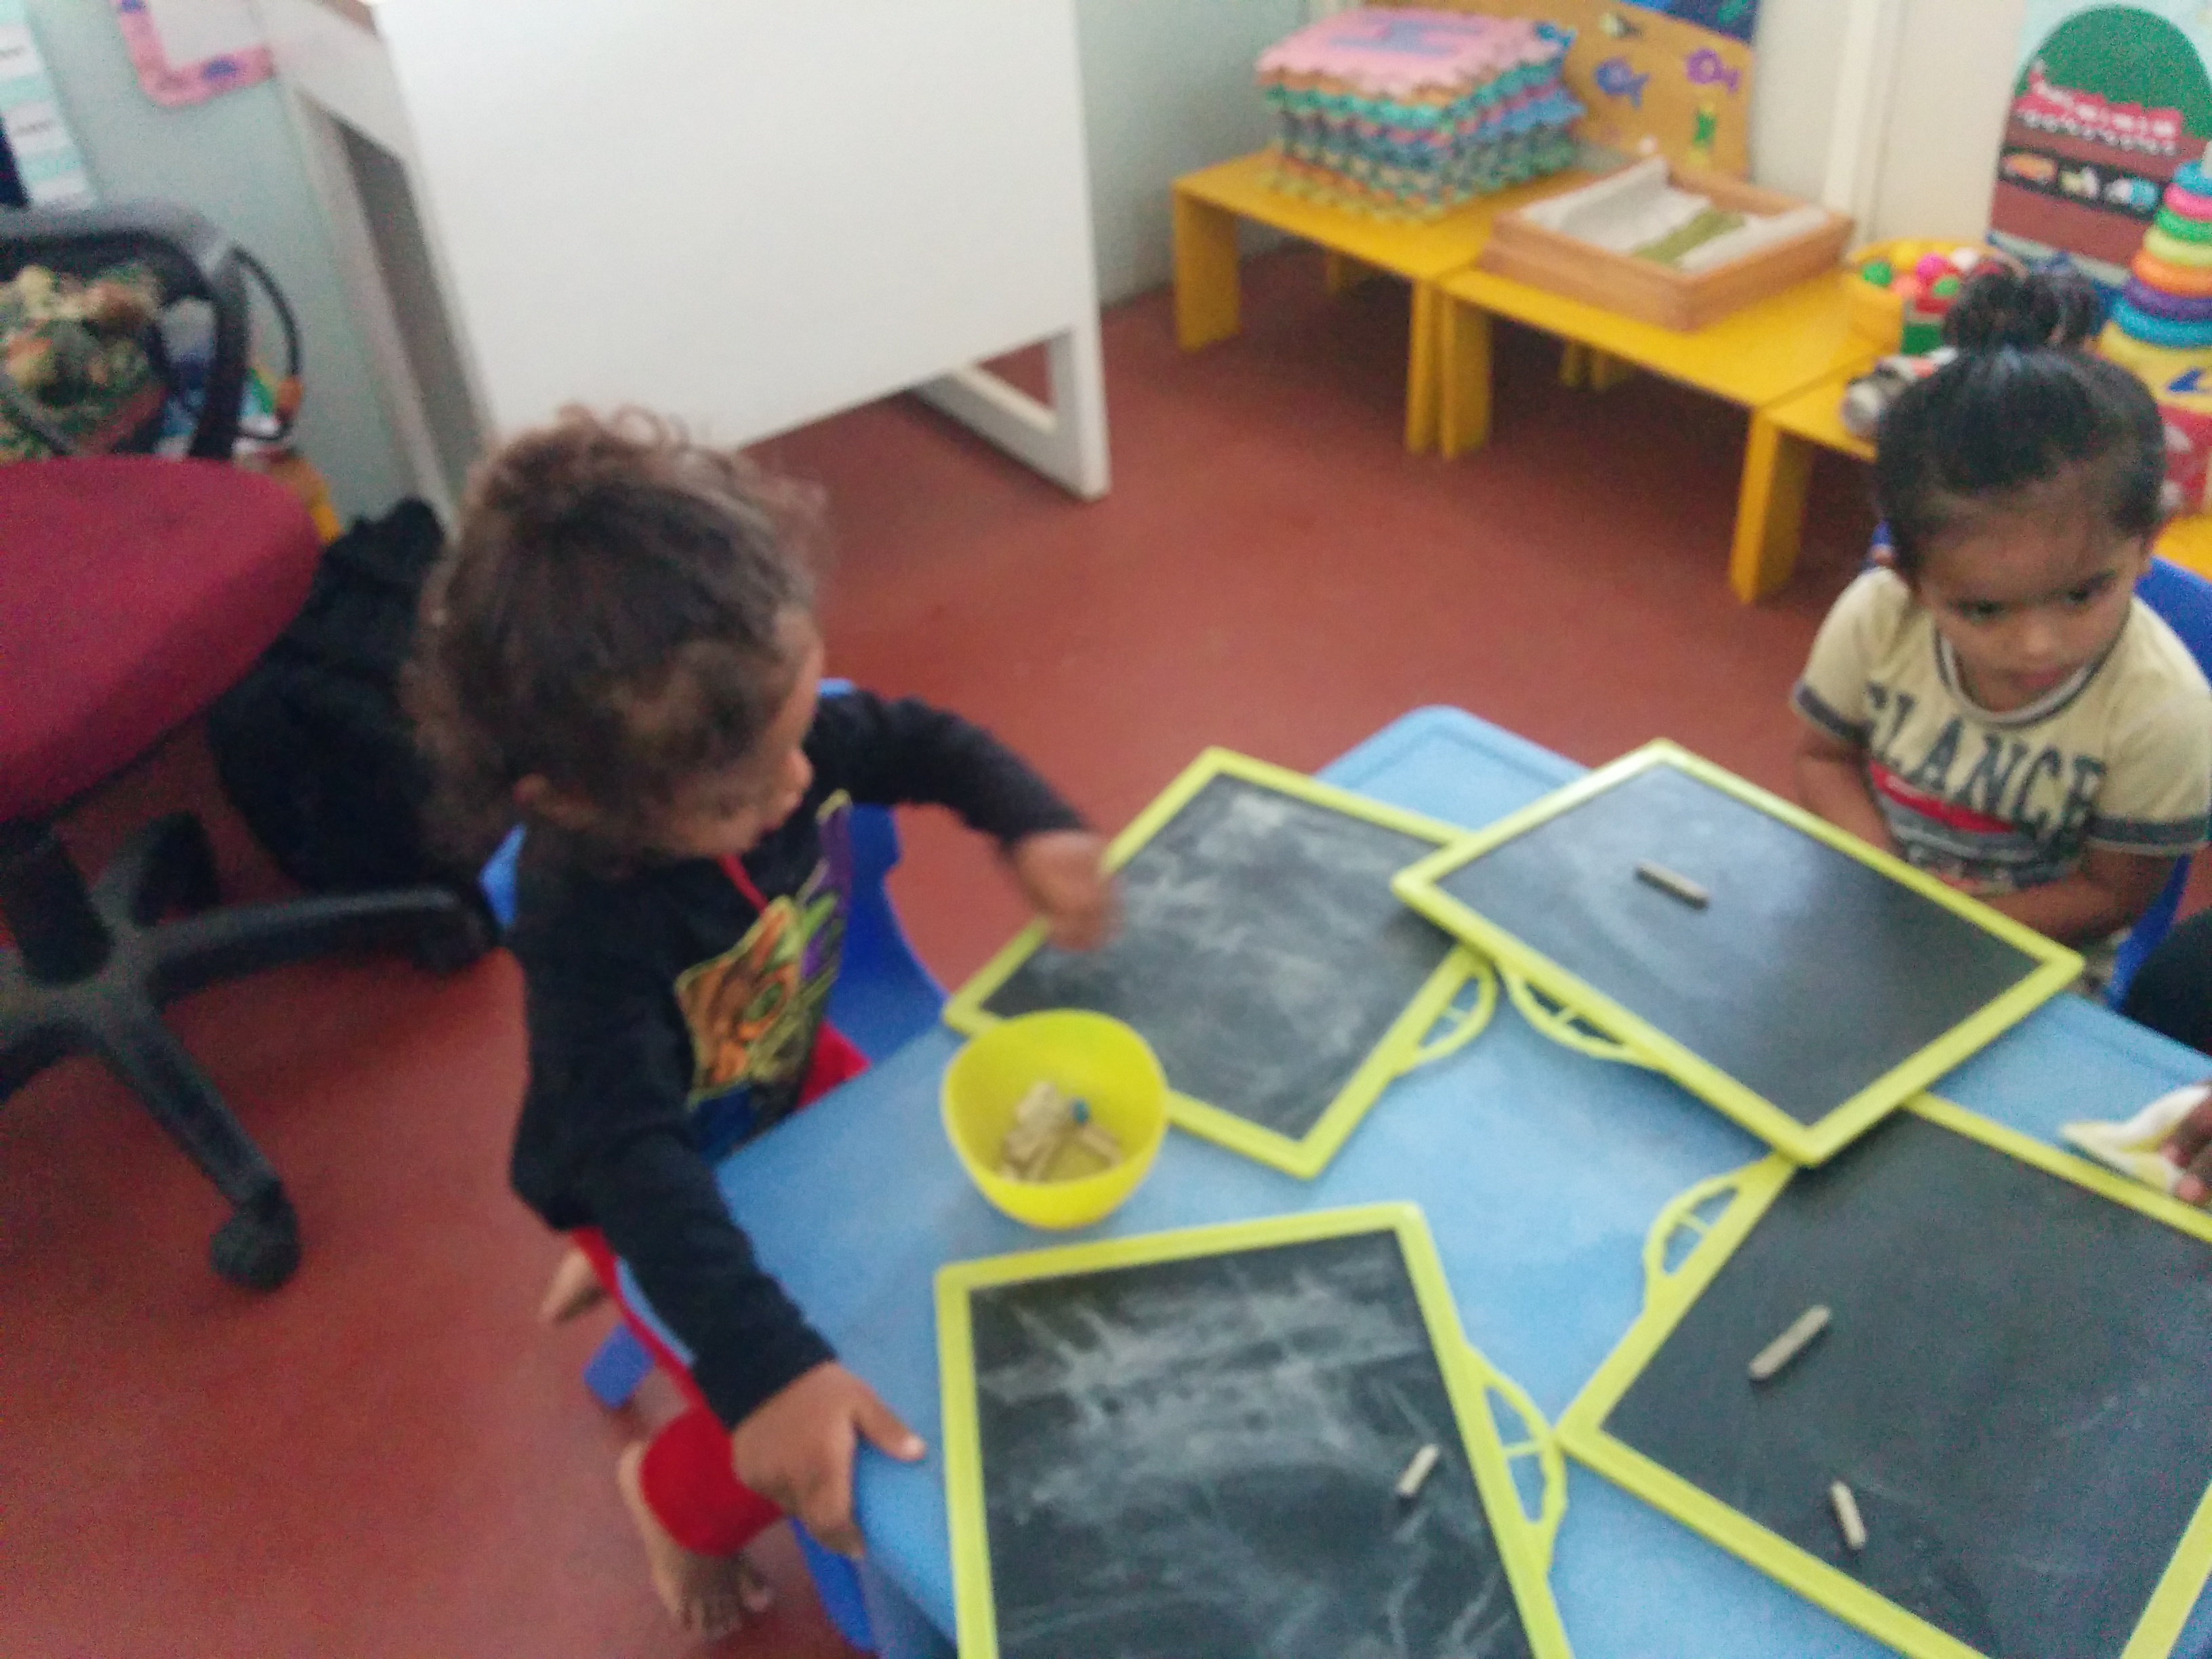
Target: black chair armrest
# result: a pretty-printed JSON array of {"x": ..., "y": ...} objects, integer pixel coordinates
[{"x": 193, "y": 258}]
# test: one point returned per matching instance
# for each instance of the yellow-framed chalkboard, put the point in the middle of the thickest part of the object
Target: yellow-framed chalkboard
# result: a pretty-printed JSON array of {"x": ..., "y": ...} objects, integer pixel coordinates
[
  {"x": 1211, "y": 1430},
  {"x": 1264, "y": 956},
  {"x": 2011, "y": 1385},
  {"x": 1820, "y": 984}
]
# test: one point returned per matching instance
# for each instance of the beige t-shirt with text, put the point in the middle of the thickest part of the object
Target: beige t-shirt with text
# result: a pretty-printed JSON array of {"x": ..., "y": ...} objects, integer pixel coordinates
[{"x": 2118, "y": 757}]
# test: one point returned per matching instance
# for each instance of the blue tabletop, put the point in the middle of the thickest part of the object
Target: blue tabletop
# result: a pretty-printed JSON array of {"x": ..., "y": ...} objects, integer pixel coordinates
[{"x": 1540, "y": 1171}]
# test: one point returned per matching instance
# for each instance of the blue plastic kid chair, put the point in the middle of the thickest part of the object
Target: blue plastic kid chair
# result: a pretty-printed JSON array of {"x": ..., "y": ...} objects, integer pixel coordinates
[
  {"x": 2184, "y": 600},
  {"x": 882, "y": 998}
]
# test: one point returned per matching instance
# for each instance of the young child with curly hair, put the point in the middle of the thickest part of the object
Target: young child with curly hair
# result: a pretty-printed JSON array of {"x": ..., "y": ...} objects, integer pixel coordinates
[{"x": 621, "y": 650}]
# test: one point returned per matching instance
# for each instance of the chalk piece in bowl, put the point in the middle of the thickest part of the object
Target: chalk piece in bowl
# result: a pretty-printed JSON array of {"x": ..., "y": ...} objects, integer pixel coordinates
[{"x": 1080, "y": 1056}]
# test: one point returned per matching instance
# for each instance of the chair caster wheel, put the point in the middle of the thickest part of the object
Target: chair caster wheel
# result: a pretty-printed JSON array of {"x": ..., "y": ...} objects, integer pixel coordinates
[
  {"x": 448, "y": 946},
  {"x": 258, "y": 1248}
]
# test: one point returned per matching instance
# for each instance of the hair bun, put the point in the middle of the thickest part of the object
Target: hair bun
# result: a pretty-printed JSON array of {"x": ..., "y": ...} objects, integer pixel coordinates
[{"x": 2001, "y": 309}]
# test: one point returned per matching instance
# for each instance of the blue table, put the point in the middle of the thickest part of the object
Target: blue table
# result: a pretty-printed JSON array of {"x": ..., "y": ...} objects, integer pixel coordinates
[{"x": 1540, "y": 1169}]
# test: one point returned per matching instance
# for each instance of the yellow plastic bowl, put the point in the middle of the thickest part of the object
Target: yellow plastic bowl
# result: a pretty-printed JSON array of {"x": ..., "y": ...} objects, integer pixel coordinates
[{"x": 1099, "y": 1061}]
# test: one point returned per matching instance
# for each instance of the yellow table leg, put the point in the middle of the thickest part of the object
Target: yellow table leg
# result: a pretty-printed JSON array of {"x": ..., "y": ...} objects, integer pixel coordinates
[
  {"x": 1206, "y": 281},
  {"x": 1769, "y": 514},
  {"x": 1421, "y": 367},
  {"x": 1606, "y": 371},
  {"x": 1341, "y": 273},
  {"x": 1575, "y": 364},
  {"x": 1462, "y": 376}
]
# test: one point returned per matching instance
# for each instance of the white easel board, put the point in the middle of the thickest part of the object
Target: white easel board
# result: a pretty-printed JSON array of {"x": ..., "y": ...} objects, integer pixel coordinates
[{"x": 751, "y": 214}]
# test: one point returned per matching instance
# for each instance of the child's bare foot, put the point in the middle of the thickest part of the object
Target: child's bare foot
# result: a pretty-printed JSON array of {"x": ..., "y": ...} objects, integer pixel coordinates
[
  {"x": 708, "y": 1595},
  {"x": 575, "y": 1287}
]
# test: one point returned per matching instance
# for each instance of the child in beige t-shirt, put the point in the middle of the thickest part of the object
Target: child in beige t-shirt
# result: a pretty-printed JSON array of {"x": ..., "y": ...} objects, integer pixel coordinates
[{"x": 1997, "y": 707}]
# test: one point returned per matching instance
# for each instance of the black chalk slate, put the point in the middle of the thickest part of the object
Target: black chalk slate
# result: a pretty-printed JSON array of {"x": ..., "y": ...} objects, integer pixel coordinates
[
  {"x": 2017, "y": 1387},
  {"x": 1262, "y": 953},
  {"x": 1195, "y": 1459},
  {"x": 1808, "y": 977}
]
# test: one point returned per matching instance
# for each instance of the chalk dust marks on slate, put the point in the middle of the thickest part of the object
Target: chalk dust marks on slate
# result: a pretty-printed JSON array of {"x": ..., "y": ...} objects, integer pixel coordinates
[
  {"x": 1262, "y": 953},
  {"x": 1195, "y": 1459}
]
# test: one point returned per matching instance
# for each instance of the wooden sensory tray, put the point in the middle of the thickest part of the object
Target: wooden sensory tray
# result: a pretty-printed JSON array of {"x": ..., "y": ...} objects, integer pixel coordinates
[
  {"x": 1194, "y": 1444},
  {"x": 1823, "y": 984},
  {"x": 1653, "y": 292}
]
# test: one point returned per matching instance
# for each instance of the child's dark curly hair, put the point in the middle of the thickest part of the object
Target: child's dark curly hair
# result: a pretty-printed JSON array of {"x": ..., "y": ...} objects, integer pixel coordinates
[
  {"x": 612, "y": 616},
  {"x": 2021, "y": 403}
]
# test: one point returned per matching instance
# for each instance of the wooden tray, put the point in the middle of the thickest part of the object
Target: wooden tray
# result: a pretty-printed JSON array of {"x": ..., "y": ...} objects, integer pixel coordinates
[{"x": 1653, "y": 292}]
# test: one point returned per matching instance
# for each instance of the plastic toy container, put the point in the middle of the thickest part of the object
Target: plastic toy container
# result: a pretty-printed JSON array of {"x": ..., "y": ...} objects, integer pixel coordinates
[
  {"x": 1877, "y": 312},
  {"x": 1099, "y": 1061}
]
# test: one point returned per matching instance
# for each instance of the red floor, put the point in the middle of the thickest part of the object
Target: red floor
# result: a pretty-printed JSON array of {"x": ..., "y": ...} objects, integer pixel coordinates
[{"x": 388, "y": 1457}]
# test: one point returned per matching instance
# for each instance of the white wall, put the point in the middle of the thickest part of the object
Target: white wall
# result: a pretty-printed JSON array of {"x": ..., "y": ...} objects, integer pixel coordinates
[
  {"x": 1947, "y": 116},
  {"x": 1167, "y": 87},
  {"x": 1794, "y": 99},
  {"x": 234, "y": 159}
]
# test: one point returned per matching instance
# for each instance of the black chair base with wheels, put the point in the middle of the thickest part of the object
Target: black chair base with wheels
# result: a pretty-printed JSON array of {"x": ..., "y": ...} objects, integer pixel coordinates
[{"x": 93, "y": 966}]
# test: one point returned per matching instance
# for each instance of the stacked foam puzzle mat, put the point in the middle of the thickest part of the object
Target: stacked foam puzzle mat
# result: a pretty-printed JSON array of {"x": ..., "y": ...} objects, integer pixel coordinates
[{"x": 1406, "y": 114}]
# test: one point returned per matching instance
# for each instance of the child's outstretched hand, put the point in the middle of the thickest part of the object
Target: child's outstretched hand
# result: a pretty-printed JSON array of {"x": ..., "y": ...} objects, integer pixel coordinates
[
  {"x": 797, "y": 1449},
  {"x": 1062, "y": 874},
  {"x": 2190, "y": 1147}
]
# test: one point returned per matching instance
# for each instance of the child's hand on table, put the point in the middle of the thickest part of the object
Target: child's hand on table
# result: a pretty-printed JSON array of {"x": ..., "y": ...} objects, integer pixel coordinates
[
  {"x": 1062, "y": 874},
  {"x": 2190, "y": 1147},
  {"x": 797, "y": 1449}
]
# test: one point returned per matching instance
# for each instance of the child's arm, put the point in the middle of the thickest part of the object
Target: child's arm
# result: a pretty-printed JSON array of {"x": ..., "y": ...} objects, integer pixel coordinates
[
  {"x": 2150, "y": 812},
  {"x": 797, "y": 1450},
  {"x": 796, "y": 1416},
  {"x": 604, "y": 1139},
  {"x": 1832, "y": 781},
  {"x": 907, "y": 753},
  {"x": 1062, "y": 874},
  {"x": 2190, "y": 1148},
  {"x": 1830, "y": 700},
  {"x": 2107, "y": 893}
]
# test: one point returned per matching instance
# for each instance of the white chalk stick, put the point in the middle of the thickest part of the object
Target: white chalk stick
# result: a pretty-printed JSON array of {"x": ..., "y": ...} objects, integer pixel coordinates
[
  {"x": 1416, "y": 1471},
  {"x": 1673, "y": 885},
  {"x": 1847, "y": 1516},
  {"x": 1788, "y": 1345}
]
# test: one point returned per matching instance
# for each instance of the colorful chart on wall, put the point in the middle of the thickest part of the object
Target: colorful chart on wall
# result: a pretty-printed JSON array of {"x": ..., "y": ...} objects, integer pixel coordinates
[
  {"x": 39, "y": 166},
  {"x": 1669, "y": 77},
  {"x": 2108, "y": 102},
  {"x": 186, "y": 51}
]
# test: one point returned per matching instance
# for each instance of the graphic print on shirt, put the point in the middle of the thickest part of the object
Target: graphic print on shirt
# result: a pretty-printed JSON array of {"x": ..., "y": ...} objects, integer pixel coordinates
[
  {"x": 2002, "y": 812},
  {"x": 753, "y": 1012}
]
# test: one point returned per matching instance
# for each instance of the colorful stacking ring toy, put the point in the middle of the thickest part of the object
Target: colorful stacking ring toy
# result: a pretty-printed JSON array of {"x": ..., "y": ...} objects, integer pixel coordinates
[
  {"x": 2189, "y": 282},
  {"x": 2175, "y": 251},
  {"x": 2173, "y": 308},
  {"x": 2185, "y": 230},
  {"x": 2158, "y": 331}
]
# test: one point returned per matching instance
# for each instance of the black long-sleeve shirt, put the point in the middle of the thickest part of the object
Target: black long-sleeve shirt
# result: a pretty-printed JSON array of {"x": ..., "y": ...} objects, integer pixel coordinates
[{"x": 671, "y": 1017}]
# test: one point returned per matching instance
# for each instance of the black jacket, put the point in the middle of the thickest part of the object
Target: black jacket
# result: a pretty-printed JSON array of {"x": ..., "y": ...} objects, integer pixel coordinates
[{"x": 671, "y": 1019}]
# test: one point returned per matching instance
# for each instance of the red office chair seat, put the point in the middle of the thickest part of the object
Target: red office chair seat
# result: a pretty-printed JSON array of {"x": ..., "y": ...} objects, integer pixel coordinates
[
  {"x": 133, "y": 592},
  {"x": 138, "y": 592}
]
